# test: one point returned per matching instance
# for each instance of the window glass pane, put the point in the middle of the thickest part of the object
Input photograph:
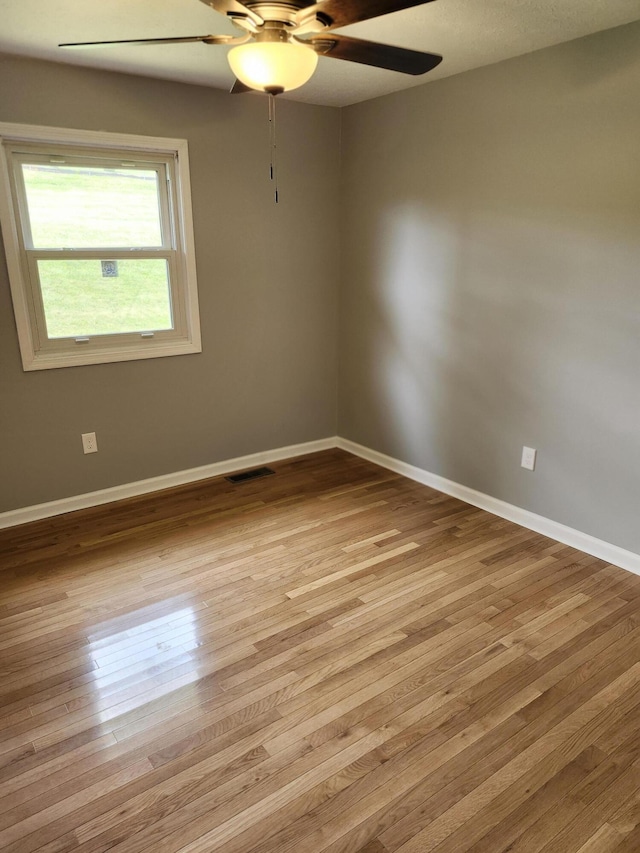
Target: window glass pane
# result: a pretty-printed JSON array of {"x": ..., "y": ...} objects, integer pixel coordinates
[
  {"x": 105, "y": 297},
  {"x": 81, "y": 207}
]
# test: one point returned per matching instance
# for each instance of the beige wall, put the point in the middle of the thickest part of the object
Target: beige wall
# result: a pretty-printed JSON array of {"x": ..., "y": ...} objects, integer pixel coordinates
[
  {"x": 267, "y": 280},
  {"x": 491, "y": 276}
]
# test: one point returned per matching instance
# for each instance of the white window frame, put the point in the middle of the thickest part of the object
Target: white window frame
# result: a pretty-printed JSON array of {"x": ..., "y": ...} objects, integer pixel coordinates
[{"x": 170, "y": 158}]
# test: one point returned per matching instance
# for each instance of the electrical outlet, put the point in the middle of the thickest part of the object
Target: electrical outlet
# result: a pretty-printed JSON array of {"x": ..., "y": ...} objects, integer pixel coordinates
[
  {"x": 89, "y": 442},
  {"x": 529, "y": 458}
]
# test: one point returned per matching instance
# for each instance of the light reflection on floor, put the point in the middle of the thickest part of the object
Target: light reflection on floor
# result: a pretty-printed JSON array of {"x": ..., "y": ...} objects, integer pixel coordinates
[{"x": 144, "y": 662}]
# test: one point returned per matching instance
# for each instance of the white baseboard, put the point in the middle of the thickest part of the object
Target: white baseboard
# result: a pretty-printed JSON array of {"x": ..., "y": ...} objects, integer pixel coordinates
[
  {"x": 155, "y": 484},
  {"x": 575, "y": 538},
  {"x": 567, "y": 535}
]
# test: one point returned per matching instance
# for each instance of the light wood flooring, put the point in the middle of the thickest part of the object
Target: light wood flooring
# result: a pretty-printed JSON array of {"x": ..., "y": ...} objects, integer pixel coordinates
[{"x": 330, "y": 659}]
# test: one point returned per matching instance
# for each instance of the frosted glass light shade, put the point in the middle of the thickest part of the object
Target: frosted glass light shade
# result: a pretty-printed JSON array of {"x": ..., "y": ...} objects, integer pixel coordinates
[{"x": 273, "y": 65}]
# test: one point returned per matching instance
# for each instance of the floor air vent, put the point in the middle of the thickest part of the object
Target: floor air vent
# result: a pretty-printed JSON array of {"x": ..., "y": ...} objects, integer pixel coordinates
[{"x": 243, "y": 476}]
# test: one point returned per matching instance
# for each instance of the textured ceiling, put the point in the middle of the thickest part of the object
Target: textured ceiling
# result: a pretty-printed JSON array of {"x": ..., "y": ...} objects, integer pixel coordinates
[{"x": 468, "y": 33}]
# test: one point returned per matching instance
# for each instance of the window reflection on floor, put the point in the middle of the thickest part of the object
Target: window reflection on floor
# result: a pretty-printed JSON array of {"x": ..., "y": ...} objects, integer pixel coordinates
[{"x": 144, "y": 662}]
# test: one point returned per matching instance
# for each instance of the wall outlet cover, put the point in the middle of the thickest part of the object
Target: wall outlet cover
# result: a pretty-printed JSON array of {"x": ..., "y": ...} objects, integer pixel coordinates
[
  {"x": 529, "y": 458},
  {"x": 89, "y": 442}
]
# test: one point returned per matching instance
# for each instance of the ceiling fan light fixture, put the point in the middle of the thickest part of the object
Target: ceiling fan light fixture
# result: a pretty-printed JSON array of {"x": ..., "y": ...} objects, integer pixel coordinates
[{"x": 274, "y": 66}]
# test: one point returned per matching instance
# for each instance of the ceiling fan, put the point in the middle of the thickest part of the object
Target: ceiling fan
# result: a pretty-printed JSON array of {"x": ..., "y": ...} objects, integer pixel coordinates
[{"x": 279, "y": 41}]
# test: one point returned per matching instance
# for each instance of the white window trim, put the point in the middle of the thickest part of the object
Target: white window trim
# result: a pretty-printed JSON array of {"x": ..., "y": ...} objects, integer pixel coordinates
[{"x": 127, "y": 347}]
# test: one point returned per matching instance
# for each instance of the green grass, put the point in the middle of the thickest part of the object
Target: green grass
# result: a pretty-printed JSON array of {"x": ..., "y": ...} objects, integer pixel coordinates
[
  {"x": 91, "y": 208},
  {"x": 79, "y": 301},
  {"x": 95, "y": 209}
]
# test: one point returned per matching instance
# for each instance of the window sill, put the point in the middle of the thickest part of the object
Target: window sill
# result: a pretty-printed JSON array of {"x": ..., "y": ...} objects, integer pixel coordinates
[{"x": 105, "y": 355}]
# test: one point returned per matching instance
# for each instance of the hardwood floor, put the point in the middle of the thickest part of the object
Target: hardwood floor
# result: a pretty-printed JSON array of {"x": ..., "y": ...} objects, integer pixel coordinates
[{"x": 330, "y": 659}]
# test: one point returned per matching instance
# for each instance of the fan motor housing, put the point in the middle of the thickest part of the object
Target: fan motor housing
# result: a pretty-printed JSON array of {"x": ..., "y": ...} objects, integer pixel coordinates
[{"x": 283, "y": 13}]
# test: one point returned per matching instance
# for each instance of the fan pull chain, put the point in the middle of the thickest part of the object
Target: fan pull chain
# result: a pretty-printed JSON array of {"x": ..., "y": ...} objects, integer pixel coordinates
[{"x": 273, "y": 169}]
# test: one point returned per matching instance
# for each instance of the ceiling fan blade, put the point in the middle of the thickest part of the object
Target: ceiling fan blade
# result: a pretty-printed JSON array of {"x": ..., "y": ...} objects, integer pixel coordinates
[
  {"x": 344, "y": 12},
  {"x": 176, "y": 40},
  {"x": 239, "y": 88},
  {"x": 234, "y": 9},
  {"x": 372, "y": 53}
]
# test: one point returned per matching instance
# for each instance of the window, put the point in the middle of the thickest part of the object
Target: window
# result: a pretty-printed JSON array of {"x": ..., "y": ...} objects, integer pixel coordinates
[{"x": 98, "y": 235}]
